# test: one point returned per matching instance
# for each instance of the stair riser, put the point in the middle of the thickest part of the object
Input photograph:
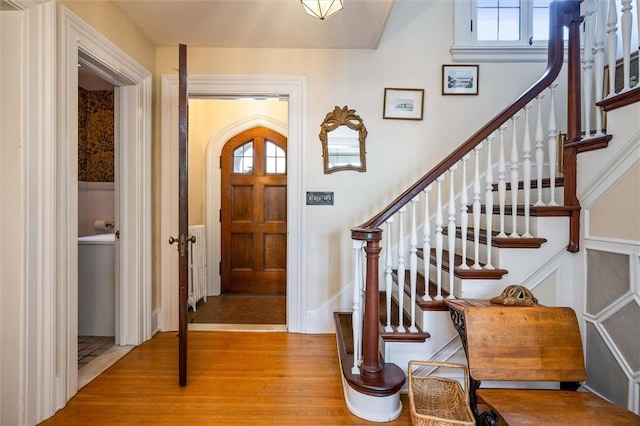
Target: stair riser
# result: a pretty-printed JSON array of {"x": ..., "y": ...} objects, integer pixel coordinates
[
  {"x": 546, "y": 196},
  {"x": 401, "y": 353}
]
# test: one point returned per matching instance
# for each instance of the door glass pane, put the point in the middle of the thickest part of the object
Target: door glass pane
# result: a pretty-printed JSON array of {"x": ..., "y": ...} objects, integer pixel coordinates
[
  {"x": 276, "y": 158},
  {"x": 243, "y": 159}
]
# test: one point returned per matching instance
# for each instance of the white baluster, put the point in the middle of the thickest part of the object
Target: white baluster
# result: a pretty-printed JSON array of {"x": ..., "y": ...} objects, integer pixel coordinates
[
  {"x": 401, "y": 269},
  {"x": 598, "y": 59},
  {"x": 426, "y": 244},
  {"x": 388, "y": 274},
  {"x": 413, "y": 263},
  {"x": 356, "y": 318},
  {"x": 552, "y": 144},
  {"x": 439, "y": 240},
  {"x": 514, "y": 178},
  {"x": 451, "y": 230},
  {"x": 539, "y": 150},
  {"x": 638, "y": 24},
  {"x": 489, "y": 201},
  {"x": 477, "y": 212},
  {"x": 626, "y": 43},
  {"x": 612, "y": 44},
  {"x": 526, "y": 171},
  {"x": 587, "y": 63},
  {"x": 502, "y": 182},
  {"x": 464, "y": 215}
]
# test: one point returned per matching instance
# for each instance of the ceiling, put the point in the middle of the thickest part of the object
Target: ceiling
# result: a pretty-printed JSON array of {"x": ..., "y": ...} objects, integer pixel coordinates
[{"x": 257, "y": 23}]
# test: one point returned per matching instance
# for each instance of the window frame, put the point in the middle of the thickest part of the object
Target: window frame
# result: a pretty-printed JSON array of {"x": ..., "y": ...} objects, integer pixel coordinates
[{"x": 467, "y": 48}]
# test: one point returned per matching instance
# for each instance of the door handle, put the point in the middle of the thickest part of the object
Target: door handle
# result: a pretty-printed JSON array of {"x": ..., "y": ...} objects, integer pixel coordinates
[{"x": 191, "y": 240}]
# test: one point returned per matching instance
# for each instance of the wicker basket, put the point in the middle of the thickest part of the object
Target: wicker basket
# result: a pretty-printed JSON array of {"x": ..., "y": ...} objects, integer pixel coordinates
[{"x": 436, "y": 401}]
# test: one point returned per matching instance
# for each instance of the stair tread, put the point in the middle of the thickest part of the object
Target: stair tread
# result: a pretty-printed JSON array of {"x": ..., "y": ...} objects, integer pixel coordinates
[
  {"x": 466, "y": 273},
  {"x": 500, "y": 242},
  {"x": 395, "y": 335},
  {"x": 534, "y": 211},
  {"x": 425, "y": 305},
  {"x": 388, "y": 383},
  {"x": 546, "y": 183}
]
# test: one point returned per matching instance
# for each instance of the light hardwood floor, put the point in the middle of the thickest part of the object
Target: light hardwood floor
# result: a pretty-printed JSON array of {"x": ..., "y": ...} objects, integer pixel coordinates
[{"x": 235, "y": 378}]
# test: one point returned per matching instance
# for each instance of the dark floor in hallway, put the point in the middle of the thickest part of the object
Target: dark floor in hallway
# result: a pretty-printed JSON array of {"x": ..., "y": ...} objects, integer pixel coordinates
[{"x": 241, "y": 309}]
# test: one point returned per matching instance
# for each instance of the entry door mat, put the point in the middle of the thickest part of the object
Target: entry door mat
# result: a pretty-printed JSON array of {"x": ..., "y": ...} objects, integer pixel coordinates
[{"x": 241, "y": 309}]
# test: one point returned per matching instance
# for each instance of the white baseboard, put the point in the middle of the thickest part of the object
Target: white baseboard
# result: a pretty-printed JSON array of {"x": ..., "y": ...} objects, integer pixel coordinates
[{"x": 320, "y": 321}]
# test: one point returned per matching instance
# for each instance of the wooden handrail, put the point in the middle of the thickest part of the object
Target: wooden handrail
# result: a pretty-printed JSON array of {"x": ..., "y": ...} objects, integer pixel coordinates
[{"x": 561, "y": 13}]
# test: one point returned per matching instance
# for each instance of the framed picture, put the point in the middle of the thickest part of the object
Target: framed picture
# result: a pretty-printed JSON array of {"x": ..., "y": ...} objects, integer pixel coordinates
[
  {"x": 460, "y": 79},
  {"x": 403, "y": 104}
]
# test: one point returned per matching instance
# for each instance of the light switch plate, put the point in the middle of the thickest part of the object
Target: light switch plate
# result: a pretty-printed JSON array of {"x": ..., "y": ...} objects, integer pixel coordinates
[{"x": 319, "y": 198}]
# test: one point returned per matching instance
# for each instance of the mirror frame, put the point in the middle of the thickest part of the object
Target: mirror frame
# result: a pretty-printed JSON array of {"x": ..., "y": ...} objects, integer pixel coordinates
[{"x": 343, "y": 117}]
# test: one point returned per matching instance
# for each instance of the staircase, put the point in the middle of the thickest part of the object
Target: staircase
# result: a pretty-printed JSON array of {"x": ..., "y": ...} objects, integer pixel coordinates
[{"x": 499, "y": 210}]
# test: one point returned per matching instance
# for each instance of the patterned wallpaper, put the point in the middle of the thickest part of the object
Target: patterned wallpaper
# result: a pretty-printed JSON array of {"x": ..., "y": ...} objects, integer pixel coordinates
[{"x": 95, "y": 136}]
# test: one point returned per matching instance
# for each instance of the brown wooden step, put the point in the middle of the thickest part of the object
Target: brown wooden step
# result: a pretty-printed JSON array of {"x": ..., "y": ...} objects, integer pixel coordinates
[
  {"x": 546, "y": 183},
  {"x": 537, "y": 211},
  {"x": 431, "y": 305},
  {"x": 521, "y": 242},
  {"x": 397, "y": 336},
  {"x": 469, "y": 274},
  {"x": 387, "y": 383}
]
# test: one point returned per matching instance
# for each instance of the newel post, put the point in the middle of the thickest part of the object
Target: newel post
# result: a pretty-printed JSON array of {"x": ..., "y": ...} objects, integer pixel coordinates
[
  {"x": 574, "y": 124},
  {"x": 371, "y": 368}
]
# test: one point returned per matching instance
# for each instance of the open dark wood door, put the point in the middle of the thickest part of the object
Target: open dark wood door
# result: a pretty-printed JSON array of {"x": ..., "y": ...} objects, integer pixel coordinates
[{"x": 183, "y": 214}]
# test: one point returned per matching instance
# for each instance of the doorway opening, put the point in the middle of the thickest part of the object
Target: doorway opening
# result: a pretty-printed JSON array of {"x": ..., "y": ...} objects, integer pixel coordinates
[
  {"x": 291, "y": 88},
  {"x": 254, "y": 257},
  {"x": 97, "y": 304},
  {"x": 81, "y": 44}
]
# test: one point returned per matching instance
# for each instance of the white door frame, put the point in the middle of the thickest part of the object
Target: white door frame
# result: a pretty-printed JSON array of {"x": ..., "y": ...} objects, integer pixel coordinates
[
  {"x": 34, "y": 387},
  {"x": 294, "y": 88},
  {"x": 78, "y": 41}
]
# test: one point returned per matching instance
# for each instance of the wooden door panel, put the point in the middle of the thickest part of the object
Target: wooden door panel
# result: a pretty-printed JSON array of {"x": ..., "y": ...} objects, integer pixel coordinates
[
  {"x": 242, "y": 203},
  {"x": 275, "y": 252},
  {"x": 254, "y": 215},
  {"x": 275, "y": 203}
]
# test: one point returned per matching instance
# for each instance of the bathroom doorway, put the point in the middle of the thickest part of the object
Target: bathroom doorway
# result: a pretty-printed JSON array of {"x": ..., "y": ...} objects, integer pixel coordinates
[{"x": 97, "y": 243}]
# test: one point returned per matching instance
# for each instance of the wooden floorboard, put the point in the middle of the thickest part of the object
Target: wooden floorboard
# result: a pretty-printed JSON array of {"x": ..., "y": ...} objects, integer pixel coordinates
[{"x": 233, "y": 379}]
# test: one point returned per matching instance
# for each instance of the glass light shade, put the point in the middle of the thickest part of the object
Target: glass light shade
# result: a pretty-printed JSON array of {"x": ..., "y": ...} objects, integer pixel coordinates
[{"x": 321, "y": 9}]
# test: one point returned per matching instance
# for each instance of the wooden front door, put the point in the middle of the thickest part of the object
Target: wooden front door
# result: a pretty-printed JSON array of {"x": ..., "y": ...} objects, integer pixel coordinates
[{"x": 254, "y": 213}]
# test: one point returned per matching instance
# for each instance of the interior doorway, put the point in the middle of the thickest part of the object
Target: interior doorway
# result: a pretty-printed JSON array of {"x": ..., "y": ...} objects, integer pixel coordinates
[
  {"x": 293, "y": 90},
  {"x": 216, "y": 123},
  {"x": 97, "y": 242},
  {"x": 79, "y": 43}
]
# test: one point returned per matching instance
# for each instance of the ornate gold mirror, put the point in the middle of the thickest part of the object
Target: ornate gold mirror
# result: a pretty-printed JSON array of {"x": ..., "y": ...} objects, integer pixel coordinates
[{"x": 342, "y": 134}]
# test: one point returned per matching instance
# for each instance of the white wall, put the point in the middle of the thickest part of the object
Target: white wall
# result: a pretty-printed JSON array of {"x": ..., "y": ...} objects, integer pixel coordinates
[
  {"x": 95, "y": 202},
  {"x": 11, "y": 215},
  {"x": 411, "y": 53}
]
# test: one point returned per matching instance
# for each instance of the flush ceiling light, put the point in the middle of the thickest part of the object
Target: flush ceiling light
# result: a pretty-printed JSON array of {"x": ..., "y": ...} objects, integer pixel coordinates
[{"x": 321, "y": 9}]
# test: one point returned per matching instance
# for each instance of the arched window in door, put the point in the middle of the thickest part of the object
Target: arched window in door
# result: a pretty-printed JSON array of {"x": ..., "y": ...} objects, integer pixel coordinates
[{"x": 275, "y": 158}]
